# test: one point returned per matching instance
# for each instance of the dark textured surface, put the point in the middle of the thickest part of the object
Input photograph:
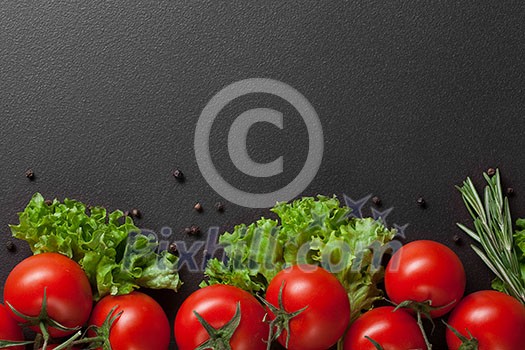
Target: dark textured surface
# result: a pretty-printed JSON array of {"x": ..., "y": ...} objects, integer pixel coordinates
[{"x": 101, "y": 100}]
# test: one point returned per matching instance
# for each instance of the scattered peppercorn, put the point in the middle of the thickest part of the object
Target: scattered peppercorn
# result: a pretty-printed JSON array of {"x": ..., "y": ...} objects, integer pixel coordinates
[
  {"x": 126, "y": 213},
  {"x": 173, "y": 249},
  {"x": 10, "y": 246},
  {"x": 192, "y": 230},
  {"x": 376, "y": 200},
  {"x": 456, "y": 239},
  {"x": 491, "y": 171},
  {"x": 179, "y": 175},
  {"x": 421, "y": 202},
  {"x": 219, "y": 206},
  {"x": 30, "y": 174},
  {"x": 510, "y": 191},
  {"x": 136, "y": 213},
  {"x": 198, "y": 207},
  {"x": 48, "y": 202}
]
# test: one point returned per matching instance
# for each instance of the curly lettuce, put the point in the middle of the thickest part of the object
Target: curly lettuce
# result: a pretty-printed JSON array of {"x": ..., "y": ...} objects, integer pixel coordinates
[
  {"x": 116, "y": 256},
  {"x": 308, "y": 230}
]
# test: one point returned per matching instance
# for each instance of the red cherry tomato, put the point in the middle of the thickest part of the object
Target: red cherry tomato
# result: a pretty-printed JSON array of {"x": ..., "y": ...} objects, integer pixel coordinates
[
  {"x": 9, "y": 329},
  {"x": 68, "y": 292},
  {"x": 495, "y": 319},
  {"x": 327, "y": 312},
  {"x": 217, "y": 305},
  {"x": 393, "y": 330},
  {"x": 143, "y": 325},
  {"x": 426, "y": 271}
]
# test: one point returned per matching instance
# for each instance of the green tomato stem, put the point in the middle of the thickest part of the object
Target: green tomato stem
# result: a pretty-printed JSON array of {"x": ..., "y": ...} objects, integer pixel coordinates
[
  {"x": 69, "y": 342},
  {"x": 45, "y": 334},
  {"x": 420, "y": 324}
]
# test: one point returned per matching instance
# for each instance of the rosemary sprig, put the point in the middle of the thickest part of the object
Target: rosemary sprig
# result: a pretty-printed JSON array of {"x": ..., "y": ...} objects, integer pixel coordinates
[{"x": 494, "y": 233}]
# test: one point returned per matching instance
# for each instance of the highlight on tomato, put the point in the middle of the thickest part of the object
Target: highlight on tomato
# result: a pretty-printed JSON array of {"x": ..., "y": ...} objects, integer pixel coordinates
[
  {"x": 388, "y": 327},
  {"x": 308, "y": 308},
  {"x": 427, "y": 276},
  {"x": 489, "y": 320},
  {"x": 50, "y": 293},
  {"x": 219, "y": 317},
  {"x": 140, "y": 324}
]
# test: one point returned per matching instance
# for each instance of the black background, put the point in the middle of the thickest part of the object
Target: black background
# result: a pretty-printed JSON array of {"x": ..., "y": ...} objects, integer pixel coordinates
[{"x": 101, "y": 100}]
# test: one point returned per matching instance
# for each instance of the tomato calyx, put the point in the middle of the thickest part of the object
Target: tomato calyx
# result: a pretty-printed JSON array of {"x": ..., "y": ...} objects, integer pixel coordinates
[
  {"x": 422, "y": 309},
  {"x": 466, "y": 343},
  {"x": 281, "y": 320},
  {"x": 42, "y": 320},
  {"x": 220, "y": 337},
  {"x": 101, "y": 338}
]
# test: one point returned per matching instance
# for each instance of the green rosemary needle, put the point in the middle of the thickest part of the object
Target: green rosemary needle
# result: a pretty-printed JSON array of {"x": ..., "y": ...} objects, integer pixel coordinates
[{"x": 494, "y": 233}]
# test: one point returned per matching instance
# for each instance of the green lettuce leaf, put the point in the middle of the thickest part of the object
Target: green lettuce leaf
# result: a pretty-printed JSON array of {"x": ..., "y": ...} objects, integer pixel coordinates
[
  {"x": 116, "y": 256},
  {"x": 309, "y": 230}
]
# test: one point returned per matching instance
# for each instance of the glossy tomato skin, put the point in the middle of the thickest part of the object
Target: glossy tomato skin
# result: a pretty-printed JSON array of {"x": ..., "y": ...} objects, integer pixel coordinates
[
  {"x": 217, "y": 305},
  {"x": 426, "y": 270},
  {"x": 393, "y": 330},
  {"x": 327, "y": 315},
  {"x": 495, "y": 319},
  {"x": 69, "y": 296},
  {"x": 143, "y": 324},
  {"x": 9, "y": 328}
]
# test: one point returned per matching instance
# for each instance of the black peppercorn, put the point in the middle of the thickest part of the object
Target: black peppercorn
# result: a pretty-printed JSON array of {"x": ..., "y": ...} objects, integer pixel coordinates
[
  {"x": 198, "y": 207},
  {"x": 219, "y": 206},
  {"x": 491, "y": 171},
  {"x": 10, "y": 246},
  {"x": 173, "y": 249},
  {"x": 376, "y": 200},
  {"x": 136, "y": 213},
  {"x": 456, "y": 239},
  {"x": 192, "y": 230},
  {"x": 30, "y": 174},
  {"x": 421, "y": 202},
  {"x": 48, "y": 202},
  {"x": 510, "y": 191},
  {"x": 179, "y": 175}
]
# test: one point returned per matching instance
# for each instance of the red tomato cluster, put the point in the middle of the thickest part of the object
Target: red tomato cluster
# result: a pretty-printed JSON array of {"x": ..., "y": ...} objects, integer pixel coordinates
[
  {"x": 429, "y": 278},
  {"x": 308, "y": 302},
  {"x": 51, "y": 294},
  {"x": 305, "y": 308}
]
